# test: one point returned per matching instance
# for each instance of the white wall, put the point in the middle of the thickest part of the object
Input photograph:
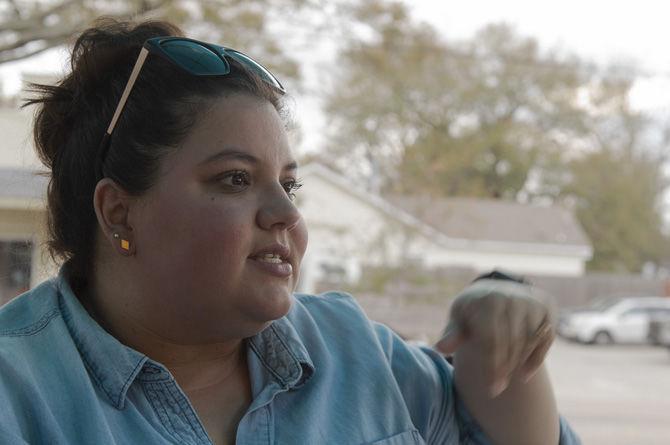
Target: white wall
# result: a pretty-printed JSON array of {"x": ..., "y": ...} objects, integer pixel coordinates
[
  {"x": 349, "y": 231},
  {"x": 341, "y": 225},
  {"x": 28, "y": 225},
  {"x": 522, "y": 263},
  {"x": 343, "y": 231},
  {"x": 16, "y": 149}
]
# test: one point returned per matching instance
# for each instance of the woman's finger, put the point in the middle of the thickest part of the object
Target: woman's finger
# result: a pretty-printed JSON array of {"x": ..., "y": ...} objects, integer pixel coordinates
[
  {"x": 537, "y": 320},
  {"x": 517, "y": 316},
  {"x": 494, "y": 338},
  {"x": 456, "y": 331},
  {"x": 536, "y": 358}
]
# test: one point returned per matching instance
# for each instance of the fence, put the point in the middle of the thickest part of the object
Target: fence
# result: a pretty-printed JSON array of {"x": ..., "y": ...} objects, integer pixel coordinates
[
  {"x": 580, "y": 291},
  {"x": 416, "y": 302}
]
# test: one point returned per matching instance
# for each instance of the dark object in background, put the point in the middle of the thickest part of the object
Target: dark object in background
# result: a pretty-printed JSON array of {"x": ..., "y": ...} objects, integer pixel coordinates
[{"x": 659, "y": 330}]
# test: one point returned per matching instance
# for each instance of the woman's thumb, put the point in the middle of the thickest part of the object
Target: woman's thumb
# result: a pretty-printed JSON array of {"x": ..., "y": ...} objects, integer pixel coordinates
[{"x": 451, "y": 341}]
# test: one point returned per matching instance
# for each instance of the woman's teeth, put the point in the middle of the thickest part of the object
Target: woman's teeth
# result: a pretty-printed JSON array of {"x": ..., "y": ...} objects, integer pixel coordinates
[{"x": 270, "y": 258}]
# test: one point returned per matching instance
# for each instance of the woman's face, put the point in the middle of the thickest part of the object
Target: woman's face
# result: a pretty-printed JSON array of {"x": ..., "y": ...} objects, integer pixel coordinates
[{"x": 221, "y": 197}]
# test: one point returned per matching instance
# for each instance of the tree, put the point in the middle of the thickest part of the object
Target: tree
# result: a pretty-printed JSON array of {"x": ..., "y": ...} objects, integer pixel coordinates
[
  {"x": 496, "y": 117},
  {"x": 28, "y": 27},
  {"x": 458, "y": 119},
  {"x": 616, "y": 185}
]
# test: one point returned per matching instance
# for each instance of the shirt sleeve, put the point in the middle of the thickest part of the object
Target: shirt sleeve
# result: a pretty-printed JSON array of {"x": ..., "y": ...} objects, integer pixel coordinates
[
  {"x": 425, "y": 379},
  {"x": 6, "y": 437}
]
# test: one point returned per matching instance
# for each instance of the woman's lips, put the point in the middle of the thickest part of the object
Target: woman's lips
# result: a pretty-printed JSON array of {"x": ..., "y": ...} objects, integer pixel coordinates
[{"x": 281, "y": 270}]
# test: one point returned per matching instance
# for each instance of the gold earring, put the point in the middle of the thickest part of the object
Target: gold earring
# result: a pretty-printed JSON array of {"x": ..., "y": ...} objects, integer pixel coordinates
[{"x": 125, "y": 245}]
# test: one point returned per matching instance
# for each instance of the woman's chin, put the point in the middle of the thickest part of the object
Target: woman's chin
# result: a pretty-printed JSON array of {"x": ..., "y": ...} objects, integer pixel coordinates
[{"x": 274, "y": 305}]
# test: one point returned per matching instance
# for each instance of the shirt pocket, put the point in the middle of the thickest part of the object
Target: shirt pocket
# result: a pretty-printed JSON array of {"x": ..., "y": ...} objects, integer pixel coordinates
[{"x": 411, "y": 437}]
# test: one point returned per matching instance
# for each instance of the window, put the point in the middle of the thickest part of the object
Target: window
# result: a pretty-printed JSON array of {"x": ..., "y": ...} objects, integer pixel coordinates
[
  {"x": 636, "y": 311},
  {"x": 660, "y": 311},
  {"x": 15, "y": 265}
]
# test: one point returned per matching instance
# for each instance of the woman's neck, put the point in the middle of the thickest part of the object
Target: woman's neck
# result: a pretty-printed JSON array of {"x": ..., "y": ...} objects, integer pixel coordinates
[{"x": 194, "y": 364}]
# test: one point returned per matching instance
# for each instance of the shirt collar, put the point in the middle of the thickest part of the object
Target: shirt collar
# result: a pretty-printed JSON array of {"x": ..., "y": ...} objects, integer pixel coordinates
[
  {"x": 114, "y": 366},
  {"x": 283, "y": 354}
]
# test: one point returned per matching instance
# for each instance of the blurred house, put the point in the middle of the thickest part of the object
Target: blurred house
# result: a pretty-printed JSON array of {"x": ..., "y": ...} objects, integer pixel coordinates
[
  {"x": 349, "y": 228},
  {"x": 23, "y": 262}
]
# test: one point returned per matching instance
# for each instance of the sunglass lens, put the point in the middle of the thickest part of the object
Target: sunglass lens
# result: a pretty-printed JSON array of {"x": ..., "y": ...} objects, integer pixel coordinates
[
  {"x": 255, "y": 67},
  {"x": 195, "y": 58}
]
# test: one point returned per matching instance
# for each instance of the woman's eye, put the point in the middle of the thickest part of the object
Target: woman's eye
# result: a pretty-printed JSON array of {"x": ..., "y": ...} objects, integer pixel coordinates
[
  {"x": 240, "y": 179},
  {"x": 237, "y": 178},
  {"x": 291, "y": 187}
]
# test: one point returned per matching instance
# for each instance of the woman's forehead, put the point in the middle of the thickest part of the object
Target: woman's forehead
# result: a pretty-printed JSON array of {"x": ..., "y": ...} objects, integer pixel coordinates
[
  {"x": 238, "y": 127},
  {"x": 235, "y": 153}
]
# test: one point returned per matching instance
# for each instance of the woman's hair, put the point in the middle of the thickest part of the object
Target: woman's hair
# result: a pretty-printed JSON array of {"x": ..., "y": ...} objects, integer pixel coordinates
[{"x": 73, "y": 115}]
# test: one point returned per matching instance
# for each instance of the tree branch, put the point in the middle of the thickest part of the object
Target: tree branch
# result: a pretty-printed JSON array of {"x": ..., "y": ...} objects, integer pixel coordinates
[
  {"x": 31, "y": 31},
  {"x": 44, "y": 34},
  {"x": 12, "y": 56},
  {"x": 17, "y": 11},
  {"x": 36, "y": 21}
]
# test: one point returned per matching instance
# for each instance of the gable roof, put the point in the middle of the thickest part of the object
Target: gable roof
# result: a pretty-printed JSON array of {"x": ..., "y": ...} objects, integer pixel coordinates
[
  {"x": 491, "y": 231},
  {"x": 496, "y": 220},
  {"x": 22, "y": 188},
  {"x": 371, "y": 199}
]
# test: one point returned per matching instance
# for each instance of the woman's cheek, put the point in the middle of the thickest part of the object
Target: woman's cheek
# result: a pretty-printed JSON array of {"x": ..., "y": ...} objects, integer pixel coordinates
[{"x": 300, "y": 239}]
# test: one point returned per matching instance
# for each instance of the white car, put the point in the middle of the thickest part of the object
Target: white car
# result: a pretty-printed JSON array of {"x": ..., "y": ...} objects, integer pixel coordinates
[{"x": 622, "y": 320}]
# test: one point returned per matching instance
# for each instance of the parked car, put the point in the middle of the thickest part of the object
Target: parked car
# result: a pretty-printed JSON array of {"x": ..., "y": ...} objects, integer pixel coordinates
[
  {"x": 659, "y": 330},
  {"x": 621, "y": 320}
]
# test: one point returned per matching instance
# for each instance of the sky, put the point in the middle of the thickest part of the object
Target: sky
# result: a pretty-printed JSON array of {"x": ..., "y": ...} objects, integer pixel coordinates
[{"x": 602, "y": 31}]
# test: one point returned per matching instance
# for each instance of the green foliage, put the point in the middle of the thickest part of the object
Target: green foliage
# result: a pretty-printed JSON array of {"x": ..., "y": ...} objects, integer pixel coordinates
[
  {"x": 617, "y": 204},
  {"x": 617, "y": 185},
  {"x": 494, "y": 116},
  {"x": 459, "y": 119}
]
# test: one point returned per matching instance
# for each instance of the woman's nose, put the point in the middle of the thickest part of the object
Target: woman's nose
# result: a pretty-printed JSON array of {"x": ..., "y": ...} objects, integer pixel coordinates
[{"x": 277, "y": 210}]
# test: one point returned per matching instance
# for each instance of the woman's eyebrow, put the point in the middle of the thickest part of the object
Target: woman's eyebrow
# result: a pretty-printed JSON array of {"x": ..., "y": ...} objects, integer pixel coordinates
[{"x": 232, "y": 153}]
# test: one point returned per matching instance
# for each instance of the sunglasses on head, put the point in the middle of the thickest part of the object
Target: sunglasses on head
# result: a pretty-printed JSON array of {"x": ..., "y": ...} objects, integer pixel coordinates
[{"x": 193, "y": 56}]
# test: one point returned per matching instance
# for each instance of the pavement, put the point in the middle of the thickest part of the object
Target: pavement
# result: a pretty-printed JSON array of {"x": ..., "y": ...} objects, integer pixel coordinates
[
  {"x": 611, "y": 395},
  {"x": 615, "y": 394}
]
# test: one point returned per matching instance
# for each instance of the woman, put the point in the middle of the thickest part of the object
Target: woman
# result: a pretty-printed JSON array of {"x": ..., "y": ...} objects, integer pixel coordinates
[{"x": 173, "y": 317}]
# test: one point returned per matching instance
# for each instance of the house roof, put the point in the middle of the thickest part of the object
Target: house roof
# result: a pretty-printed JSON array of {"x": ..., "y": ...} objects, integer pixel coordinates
[
  {"x": 16, "y": 150},
  {"x": 496, "y": 220},
  {"x": 488, "y": 224},
  {"x": 20, "y": 188}
]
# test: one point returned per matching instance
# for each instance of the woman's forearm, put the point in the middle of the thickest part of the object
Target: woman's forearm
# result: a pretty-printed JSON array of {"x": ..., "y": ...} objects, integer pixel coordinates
[{"x": 524, "y": 414}]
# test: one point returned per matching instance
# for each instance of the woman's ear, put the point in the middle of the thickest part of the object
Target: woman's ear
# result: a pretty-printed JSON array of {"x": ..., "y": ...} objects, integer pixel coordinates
[{"x": 112, "y": 206}]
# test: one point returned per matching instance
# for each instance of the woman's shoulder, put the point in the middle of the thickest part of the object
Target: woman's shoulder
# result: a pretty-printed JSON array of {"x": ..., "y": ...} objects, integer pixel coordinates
[
  {"x": 328, "y": 297},
  {"x": 336, "y": 317},
  {"x": 30, "y": 342},
  {"x": 30, "y": 312},
  {"x": 328, "y": 308}
]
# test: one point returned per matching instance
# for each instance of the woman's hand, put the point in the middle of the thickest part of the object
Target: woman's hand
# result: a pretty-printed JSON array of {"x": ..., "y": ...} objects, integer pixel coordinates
[{"x": 510, "y": 324}]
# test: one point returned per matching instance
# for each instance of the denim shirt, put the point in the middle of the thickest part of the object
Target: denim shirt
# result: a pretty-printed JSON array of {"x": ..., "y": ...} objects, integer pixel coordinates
[{"x": 323, "y": 374}]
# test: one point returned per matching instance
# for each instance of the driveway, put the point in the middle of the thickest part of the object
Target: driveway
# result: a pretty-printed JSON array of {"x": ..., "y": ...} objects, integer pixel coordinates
[{"x": 613, "y": 395}]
